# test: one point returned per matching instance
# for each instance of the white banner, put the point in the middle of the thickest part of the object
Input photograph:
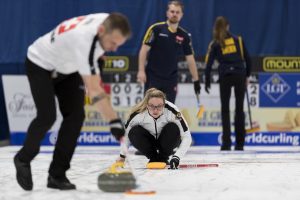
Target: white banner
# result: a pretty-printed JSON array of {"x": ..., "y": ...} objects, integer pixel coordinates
[
  {"x": 277, "y": 126},
  {"x": 21, "y": 109},
  {"x": 19, "y": 104},
  {"x": 186, "y": 96}
]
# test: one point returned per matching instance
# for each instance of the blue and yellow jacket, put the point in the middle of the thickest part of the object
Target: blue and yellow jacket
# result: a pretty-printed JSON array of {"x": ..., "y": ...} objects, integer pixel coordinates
[
  {"x": 233, "y": 58},
  {"x": 166, "y": 48}
]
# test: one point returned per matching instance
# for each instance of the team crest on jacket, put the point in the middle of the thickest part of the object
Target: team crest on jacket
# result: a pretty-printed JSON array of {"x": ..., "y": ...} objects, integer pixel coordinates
[
  {"x": 178, "y": 115},
  {"x": 179, "y": 39}
]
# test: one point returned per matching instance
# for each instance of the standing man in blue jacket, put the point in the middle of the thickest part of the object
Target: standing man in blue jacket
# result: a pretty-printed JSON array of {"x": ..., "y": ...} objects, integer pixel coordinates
[{"x": 163, "y": 44}]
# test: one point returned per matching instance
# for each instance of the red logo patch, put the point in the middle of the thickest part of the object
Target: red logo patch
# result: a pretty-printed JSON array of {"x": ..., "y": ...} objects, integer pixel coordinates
[{"x": 179, "y": 39}]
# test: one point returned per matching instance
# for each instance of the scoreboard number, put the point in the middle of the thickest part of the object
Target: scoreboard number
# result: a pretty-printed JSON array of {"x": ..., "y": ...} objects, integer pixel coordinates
[
  {"x": 253, "y": 91},
  {"x": 126, "y": 94}
]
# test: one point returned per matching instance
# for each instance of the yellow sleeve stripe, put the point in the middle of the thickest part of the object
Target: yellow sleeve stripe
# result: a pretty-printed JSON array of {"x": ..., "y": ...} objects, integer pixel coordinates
[
  {"x": 241, "y": 47},
  {"x": 149, "y": 32},
  {"x": 208, "y": 51},
  {"x": 206, "y": 57},
  {"x": 183, "y": 29}
]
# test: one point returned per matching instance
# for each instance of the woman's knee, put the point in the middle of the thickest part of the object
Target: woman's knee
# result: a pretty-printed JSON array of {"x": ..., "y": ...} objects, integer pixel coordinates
[
  {"x": 169, "y": 138},
  {"x": 138, "y": 132},
  {"x": 170, "y": 130},
  {"x": 142, "y": 140}
]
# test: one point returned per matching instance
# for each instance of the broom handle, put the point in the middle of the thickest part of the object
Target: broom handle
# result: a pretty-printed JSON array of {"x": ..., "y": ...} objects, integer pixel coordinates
[
  {"x": 124, "y": 147},
  {"x": 128, "y": 160},
  {"x": 249, "y": 109},
  {"x": 198, "y": 99},
  {"x": 197, "y": 165}
]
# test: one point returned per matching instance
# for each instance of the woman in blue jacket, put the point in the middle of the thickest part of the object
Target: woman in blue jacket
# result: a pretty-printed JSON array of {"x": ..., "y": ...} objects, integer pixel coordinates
[{"x": 234, "y": 69}]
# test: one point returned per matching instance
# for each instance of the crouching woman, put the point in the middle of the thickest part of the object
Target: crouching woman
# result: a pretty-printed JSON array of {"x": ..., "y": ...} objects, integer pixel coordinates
[{"x": 157, "y": 129}]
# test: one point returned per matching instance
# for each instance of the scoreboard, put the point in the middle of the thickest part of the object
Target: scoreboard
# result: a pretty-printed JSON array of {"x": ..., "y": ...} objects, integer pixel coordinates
[{"x": 120, "y": 72}]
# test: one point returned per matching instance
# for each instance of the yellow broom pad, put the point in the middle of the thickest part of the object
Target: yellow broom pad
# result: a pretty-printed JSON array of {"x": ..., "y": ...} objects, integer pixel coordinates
[
  {"x": 200, "y": 112},
  {"x": 253, "y": 130},
  {"x": 156, "y": 165}
]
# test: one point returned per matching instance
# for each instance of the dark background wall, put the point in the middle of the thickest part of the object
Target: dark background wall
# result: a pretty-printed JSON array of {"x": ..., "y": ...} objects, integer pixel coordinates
[{"x": 269, "y": 27}]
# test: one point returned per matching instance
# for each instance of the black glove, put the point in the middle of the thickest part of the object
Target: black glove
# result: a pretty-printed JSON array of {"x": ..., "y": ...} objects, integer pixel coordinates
[
  {"x": 174, "y": 162},
  {"x": 197, "y": 87},
  {"x": 207, "y": 84},
  {"x": 117, "y": 128}
]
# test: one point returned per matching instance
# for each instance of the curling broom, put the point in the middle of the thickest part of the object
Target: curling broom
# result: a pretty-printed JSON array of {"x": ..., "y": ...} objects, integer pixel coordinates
[
  {"x": 163, "y": 165},
  {"x": 254, "y": 127},
  {"x": 200, "y": 107},
  {"x": 137, "y": 189}
]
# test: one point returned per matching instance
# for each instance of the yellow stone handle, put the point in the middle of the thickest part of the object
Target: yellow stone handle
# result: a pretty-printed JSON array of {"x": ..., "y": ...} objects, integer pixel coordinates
[{"x": 113, "y": 167}]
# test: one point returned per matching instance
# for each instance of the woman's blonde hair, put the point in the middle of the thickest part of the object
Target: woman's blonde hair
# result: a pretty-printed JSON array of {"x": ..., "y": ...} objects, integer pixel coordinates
[
  {"x": 150, "y": 93},
  {"x": 220, "y": 31}
]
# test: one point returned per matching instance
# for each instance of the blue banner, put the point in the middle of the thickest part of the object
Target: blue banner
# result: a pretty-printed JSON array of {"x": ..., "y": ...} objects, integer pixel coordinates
[
  {"x": 85, "y": 138},
  {"x": 199, "y": 139},
  {"x": 253, "y": 139},
  {"x": 279, "y": 90}
]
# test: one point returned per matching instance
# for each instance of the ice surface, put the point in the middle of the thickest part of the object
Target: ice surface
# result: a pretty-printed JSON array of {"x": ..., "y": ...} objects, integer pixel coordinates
[{"x": 256, "y": 173}]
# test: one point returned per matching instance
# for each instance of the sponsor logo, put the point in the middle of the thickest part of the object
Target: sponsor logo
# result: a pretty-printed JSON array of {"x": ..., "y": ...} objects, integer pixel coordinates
[
  {"x": 53, "y": 137},
  {"x": 275, "y": 88},
  {"x": 213, "y": 119},
  {"x": 281, "y": 64},
  {"x": 116, "y": 64},
  {"x": 183, "y": 65},
  {"x": 268, "y": 139},
  {"x": 93, "y": 138},
  {"x": 93, "y": 119},
  {"x": 179, "y": 39},
  {"x": 21, "y": 105},
  {"x": 178, "y": 115},
  {"x": 281, "y": 138},
  {"x": 163, "y": 35}
]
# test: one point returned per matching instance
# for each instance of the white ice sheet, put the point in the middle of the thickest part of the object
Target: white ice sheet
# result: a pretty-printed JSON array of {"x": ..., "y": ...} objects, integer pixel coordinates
[{"x": 256, "y": 173}]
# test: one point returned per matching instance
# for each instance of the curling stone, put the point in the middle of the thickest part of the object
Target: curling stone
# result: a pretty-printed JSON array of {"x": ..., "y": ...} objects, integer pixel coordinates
[{"x": 116, "y": 181}]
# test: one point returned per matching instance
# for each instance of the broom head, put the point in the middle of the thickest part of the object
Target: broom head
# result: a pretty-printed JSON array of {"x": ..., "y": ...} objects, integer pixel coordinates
[
  {"x": 200, "y": 112},
  {"x": 156, "y": 165},
  {"x": 254, "y": 128}
]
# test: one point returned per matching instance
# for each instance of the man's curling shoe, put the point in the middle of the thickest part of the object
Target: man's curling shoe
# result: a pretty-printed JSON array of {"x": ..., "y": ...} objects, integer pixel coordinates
[
  {"x": 24, "y": 176},
  {"x": 61, "y": 183}
]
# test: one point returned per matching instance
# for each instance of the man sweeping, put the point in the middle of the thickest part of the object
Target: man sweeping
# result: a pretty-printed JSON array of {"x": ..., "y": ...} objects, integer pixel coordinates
[{"x": 62, "y": 64}]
